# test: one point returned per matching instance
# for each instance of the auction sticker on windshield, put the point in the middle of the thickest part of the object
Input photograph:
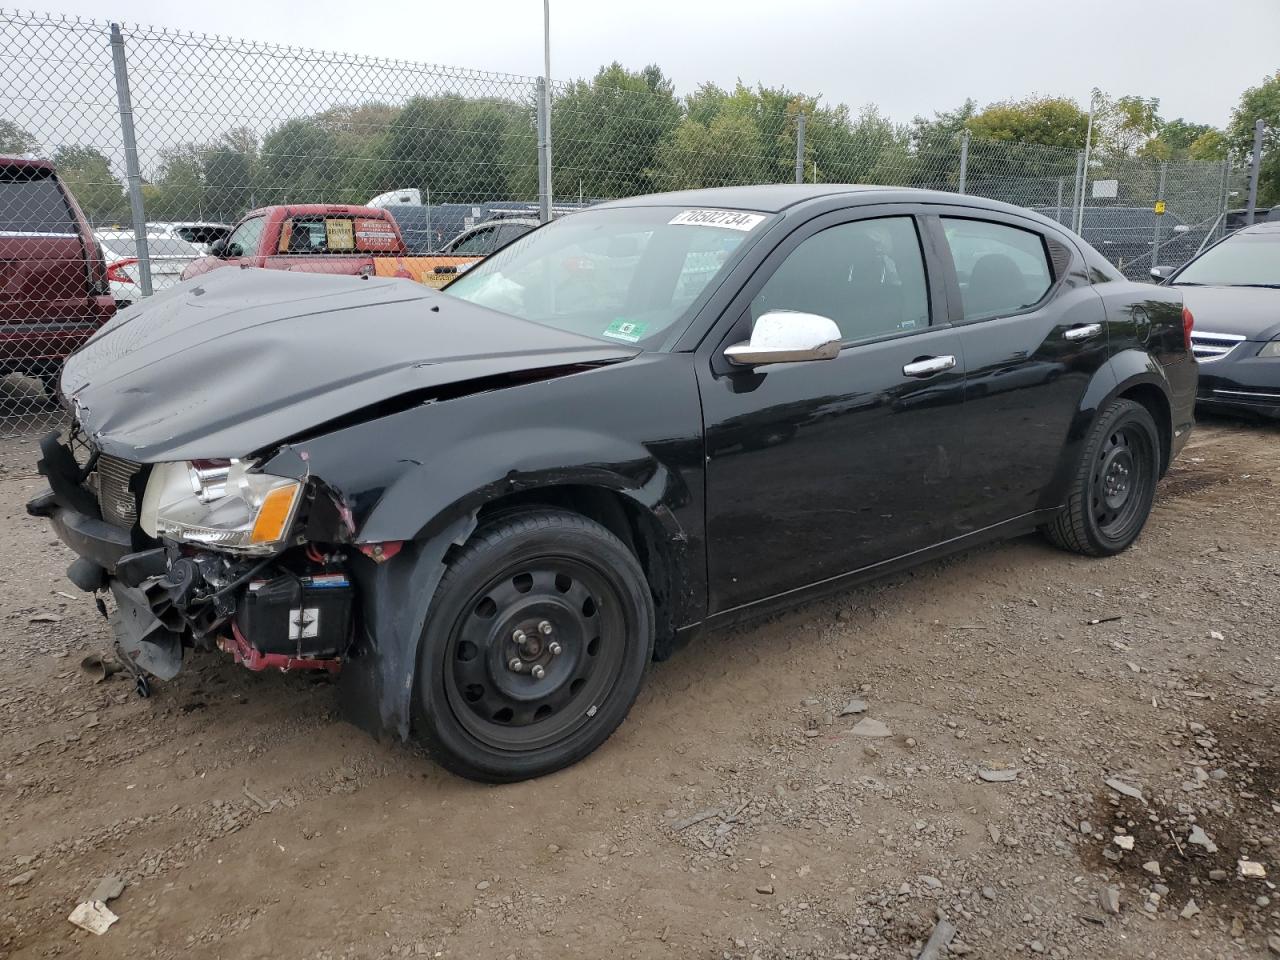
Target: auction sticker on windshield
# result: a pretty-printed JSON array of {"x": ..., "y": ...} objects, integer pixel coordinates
[
  {"x": 728, "y": 219},
  {"x": 626, "y": 330}
]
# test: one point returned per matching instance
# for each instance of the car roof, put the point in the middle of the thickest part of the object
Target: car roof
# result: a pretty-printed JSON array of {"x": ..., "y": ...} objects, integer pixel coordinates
[
  {"x": 1268, "y": 228},
  {"x": 317, "y": 209},
  {"x": 777, "y": 197},
  {"x": 34, "y": 163}
]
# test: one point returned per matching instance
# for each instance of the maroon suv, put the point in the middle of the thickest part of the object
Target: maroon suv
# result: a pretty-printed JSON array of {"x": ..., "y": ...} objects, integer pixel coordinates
[{"x": 53, "y": 283}]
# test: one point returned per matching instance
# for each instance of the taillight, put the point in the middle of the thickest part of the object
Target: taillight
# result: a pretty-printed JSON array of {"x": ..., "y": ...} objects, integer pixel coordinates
[
  {"x": 115, "y": 271},
  {"x": 1188, "y": 321},
  {"x": 96, "y": 275}
]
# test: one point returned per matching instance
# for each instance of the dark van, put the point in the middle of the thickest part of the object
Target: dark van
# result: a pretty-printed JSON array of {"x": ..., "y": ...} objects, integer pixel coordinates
[{"x": 53, "y": 282}]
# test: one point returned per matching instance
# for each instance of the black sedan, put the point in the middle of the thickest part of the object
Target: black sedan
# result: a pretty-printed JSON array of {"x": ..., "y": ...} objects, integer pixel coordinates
[
  {"x": 1233, "y": 289},
  {"x": 490, "y": 508}
]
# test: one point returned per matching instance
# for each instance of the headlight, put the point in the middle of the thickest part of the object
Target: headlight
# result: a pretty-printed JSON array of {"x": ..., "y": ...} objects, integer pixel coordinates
[
  {"x": 1271, "y": 349},
  {"x": 219, "y": 503}
]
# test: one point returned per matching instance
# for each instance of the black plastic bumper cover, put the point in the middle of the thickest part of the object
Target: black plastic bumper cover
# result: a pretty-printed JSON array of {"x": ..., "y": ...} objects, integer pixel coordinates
[{"x": 89, "y": 537}]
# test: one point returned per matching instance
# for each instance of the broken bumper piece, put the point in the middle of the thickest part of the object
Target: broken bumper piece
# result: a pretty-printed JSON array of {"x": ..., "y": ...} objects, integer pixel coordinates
[{"x": 292, "y": 611}]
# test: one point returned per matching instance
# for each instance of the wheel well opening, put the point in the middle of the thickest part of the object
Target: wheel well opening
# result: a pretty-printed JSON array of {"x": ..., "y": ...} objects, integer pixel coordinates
[
  {"x": 1157, "y": 405},
  {"x": 639, "y": 531}
]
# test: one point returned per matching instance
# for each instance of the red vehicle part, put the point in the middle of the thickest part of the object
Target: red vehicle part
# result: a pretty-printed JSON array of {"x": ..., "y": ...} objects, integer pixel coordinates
[{"x": 252, "y": 658}]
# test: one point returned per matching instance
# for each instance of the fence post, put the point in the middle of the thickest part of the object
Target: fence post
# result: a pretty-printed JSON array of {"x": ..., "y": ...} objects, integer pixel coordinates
[
  {"x": 1226, "y": 195},
  {"x": 1057, "y": 215},
  {"x": 1155, "y": 240},
  {"x": 799, "y": 148},
  {"x": 544, "y": 153},
  {"x": 131, "y": 160},
  {"x": 1077, "y": 201},
  {"x": 1255, "y": 166},
  {"x": 964, "y": 159}
]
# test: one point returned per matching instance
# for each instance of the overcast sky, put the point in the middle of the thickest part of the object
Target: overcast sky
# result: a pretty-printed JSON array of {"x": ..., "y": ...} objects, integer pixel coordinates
[{"x": 907, "y": 56}]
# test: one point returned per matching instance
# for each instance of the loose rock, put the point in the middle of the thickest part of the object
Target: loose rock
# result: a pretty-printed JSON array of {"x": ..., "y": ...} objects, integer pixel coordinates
[
  {"x": 867, "y": 727},
  {"x": 998, "y": 776}
]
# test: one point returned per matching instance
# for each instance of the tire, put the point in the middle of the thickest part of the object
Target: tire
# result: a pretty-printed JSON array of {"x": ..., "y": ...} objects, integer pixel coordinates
[
  {"x": 1115, "y": 483},
  {"x": 584, "y": 613},
  {"x": 50, "y": 377}
]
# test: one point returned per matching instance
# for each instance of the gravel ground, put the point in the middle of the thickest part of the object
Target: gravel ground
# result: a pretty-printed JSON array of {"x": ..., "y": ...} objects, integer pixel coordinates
[{"x": 739, "y": 812}]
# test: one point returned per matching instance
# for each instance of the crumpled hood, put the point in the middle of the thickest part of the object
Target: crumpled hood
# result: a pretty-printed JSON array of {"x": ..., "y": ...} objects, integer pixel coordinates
[
  {"x": 238, "y": 360},
  {"x": 1252, "y": 312}
]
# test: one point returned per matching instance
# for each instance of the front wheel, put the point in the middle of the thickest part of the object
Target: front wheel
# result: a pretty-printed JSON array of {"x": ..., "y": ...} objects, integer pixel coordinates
[
  {"x": 1111, "y": 494},
  {"x": 536, "y": 646}
]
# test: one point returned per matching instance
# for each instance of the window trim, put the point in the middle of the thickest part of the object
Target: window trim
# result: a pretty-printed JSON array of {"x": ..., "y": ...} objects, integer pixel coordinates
[
  {"x": 935, "y": 225},
  {"x": 731, "y": 319}
]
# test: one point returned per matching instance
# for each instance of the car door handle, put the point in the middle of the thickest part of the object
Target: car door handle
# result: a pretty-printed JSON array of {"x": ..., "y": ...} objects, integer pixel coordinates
[
  {"x": 1086, "y": 332},
  {"x": 928, "y": 366}
]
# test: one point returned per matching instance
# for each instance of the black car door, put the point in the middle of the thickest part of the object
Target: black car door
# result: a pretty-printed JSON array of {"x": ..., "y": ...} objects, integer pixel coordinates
[
  {"x": 1034, "y": 333},
  {"x": 822, "y": 467}
]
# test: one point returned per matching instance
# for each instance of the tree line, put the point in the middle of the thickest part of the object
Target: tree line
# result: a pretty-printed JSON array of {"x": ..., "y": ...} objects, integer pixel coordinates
[{"x": 625, "y": 132}]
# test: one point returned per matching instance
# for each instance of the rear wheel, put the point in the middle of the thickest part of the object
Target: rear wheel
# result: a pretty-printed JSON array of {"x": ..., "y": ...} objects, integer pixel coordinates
[
  {"x": 1111, "y": 495},
  {"x": 536, "y": 646}
]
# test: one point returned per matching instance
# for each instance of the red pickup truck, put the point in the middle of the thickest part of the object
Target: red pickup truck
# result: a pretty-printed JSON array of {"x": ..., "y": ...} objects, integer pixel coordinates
[{"x": 325, "y": 238}]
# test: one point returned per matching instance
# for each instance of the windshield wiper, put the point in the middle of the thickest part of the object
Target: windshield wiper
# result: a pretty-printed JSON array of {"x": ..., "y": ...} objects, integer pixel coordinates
[{"x": 1265, "y": 286}]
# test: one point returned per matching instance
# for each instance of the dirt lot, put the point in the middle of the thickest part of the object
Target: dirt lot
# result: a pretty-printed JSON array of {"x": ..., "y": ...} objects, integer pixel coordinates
[{"x": 249, "y": 822}]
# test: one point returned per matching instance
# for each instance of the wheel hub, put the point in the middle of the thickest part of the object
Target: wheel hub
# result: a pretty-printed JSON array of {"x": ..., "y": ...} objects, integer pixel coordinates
[
  {"x": 533, "y": 654},
  {"x": 1117, "y": 478}
]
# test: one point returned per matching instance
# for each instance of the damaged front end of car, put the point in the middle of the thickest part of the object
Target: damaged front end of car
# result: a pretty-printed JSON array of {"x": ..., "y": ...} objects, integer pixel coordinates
[{"x": 204, "y": 554}]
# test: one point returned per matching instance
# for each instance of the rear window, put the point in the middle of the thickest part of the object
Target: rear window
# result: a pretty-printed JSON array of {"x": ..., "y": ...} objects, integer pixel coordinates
[
  {"x": 311, "y": 235},
  {"x": 31, "y": 203}
]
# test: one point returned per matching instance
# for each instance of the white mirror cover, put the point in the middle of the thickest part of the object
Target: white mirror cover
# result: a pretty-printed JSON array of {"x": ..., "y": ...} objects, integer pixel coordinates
[{"x": 793, "y": 330}]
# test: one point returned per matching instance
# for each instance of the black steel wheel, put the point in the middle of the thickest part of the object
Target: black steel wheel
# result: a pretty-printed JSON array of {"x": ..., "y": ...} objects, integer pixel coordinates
[
  {"x": 536, "y": 646},
  {"x": 1114, "y": 486}
]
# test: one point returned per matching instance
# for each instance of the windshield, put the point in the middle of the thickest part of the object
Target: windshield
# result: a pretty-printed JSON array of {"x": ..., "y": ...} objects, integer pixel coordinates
[
  {"x": 621, "y": 274},
  {"x": 1242, "y": 261}
]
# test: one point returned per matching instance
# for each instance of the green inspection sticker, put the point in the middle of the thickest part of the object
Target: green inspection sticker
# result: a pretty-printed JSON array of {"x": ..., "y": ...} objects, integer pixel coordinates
[{"x": 626, "y": 330}]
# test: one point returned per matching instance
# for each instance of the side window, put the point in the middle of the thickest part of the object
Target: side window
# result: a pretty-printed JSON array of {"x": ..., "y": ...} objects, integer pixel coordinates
[
  {"x": 510, "y": 231},
  {"x": 243, "y": 241},
  {"x": 867, "y": 276},
  {"x": 480, "y": 242},
  {"x": 1001, "y": 269}
]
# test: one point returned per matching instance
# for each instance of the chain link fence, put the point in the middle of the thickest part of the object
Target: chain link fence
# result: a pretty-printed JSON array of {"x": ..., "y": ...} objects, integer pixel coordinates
[{"x": 163, "y": 140}]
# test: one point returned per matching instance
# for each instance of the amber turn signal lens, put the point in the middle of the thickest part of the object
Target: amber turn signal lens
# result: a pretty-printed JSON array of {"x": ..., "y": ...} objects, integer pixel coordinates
[{"x": 274, "y": 515}]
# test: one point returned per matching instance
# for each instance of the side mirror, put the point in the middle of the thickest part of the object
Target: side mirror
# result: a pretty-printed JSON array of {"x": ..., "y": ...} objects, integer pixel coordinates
[
  {"x": 1161, "y": 273},
  {"x": 786, "y": 336},
  {"x": 218, "y": 248}
]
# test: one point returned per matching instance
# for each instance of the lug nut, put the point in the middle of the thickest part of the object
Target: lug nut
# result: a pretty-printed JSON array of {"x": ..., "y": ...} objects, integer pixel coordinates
[
  {"x": 545, "y": 627},
  {"x": 554, "y": 647},
  {"x": 515, "y": 665},
  {"x": 518, "y": 636},
  {"x": 538, "y": 672}
]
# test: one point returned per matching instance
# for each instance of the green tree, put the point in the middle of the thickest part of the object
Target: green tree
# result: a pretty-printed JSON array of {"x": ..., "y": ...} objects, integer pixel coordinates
[
  {"x": 87, "y": 174},
  {"x": 1123, "y": 127},
  {"x": 454, "y": 147},
  {"x": 605, "y": 132},
  {"x": 176, "y": 192},
  {"x": 14, "y": 140},
  {"x": 718, "y": 142},
  {"x": 1047, "y": 121},
  {"x": 296, "y": 163},
  {"x": 934, "y": 144},
  {"x": 1259, "y": 103}
]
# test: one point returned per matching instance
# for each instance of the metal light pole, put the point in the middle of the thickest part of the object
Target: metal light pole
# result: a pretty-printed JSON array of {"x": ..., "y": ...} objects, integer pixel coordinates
[
  {"x": 1084, "y": 177},
  {"x": 546, "y": 197}
]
